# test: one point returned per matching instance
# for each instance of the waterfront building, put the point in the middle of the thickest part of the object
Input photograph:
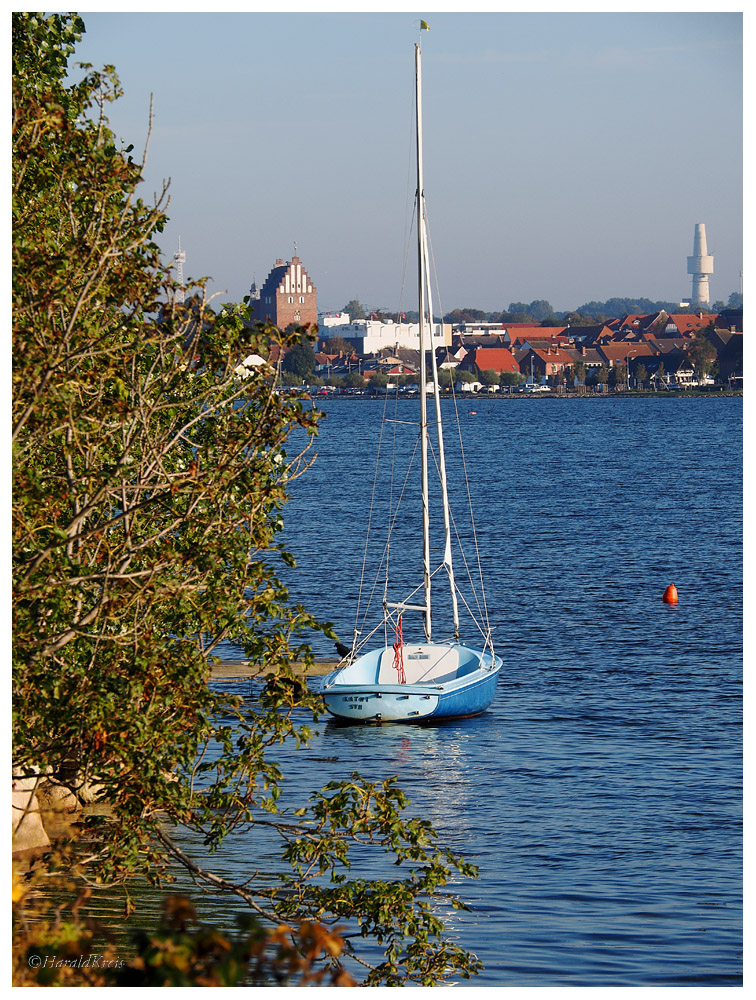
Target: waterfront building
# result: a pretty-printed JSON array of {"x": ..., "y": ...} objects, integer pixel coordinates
[
  {"x": 371, "y": 336},
  {"x": 288, "y": 296},
  {"x": 543, "y": 363},
  {"x": 497, "y": 359},
  {"x": 326, "y": 320}
]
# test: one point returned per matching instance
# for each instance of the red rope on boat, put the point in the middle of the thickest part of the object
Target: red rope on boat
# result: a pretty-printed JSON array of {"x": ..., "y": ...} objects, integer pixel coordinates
[{"x": 399, "y": 653}]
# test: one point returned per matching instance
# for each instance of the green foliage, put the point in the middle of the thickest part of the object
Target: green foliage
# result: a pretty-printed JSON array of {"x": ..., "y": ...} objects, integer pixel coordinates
[
  {"x": 615, "y": 308},
  {"x": 598, "y": 376},
  {"x": 396, "y": 912},
  {"x": 538, "y": 311},
  {"x": 73, "y": 950},
  {"x": 489, "y": 377},
  {"x": 337, "y": 345},
  {"x": 702, "y": 354},
  {"x": 511, "y": 378},
  {"x": 149, "y": 485},
  {"x": 300, "y": 360},
  {"x": 466, "y": 315},
  {"x": 617, "y": 375},
  {"x": 355, "y": 309}
]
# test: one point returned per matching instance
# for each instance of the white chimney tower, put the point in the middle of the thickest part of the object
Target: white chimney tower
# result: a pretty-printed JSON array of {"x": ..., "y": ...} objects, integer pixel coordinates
[{"x": 700, "y": 265}]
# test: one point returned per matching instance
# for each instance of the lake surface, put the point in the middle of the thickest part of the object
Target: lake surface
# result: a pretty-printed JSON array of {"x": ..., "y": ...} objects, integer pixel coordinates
[{"x": 600, "y": 795}]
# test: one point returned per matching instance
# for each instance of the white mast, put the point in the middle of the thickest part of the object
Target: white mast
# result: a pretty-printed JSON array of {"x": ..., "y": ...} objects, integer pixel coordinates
[
  {"x": 426, "y": 322},
  {"x": 448, "y": 566},
  {"x": 421, "y": 287}
]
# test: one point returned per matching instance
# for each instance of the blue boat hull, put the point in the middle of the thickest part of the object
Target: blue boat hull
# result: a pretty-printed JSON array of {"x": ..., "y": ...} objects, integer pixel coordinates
[{"x": 445, "y": 681}]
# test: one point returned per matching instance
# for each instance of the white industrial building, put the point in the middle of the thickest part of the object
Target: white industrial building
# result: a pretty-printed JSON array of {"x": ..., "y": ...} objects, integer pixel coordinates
[{"x": 369, "y": 336}]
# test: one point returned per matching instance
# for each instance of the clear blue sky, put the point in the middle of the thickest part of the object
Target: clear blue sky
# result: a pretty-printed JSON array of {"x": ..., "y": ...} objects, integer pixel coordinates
[{"x": 568, "y": 156}]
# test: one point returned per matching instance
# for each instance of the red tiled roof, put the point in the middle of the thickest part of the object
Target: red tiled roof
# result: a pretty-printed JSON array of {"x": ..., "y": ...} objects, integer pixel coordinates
[
  {"x": 633, "y": 320},
  {"x": 619, "y": 352},
  {"x": 554, "y": 356},
  {"x": 524, "y": 333},
  {"x": 498, "y": 359},
  {"x": 686, "y": 322}
]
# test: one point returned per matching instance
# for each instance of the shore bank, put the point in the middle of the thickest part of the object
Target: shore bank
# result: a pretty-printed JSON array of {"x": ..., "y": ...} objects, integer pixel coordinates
[{"x": 239, "y": 670}]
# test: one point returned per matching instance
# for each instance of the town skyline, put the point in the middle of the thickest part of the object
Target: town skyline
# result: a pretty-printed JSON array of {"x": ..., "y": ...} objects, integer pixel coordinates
[{"x": 568, "y": 156}]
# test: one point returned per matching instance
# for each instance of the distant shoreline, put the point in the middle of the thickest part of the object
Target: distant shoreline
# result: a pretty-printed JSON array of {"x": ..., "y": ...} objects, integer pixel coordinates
[{"x": 471, "y": 397}]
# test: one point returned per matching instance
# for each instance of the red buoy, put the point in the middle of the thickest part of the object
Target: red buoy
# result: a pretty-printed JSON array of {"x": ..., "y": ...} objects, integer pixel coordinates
[{"x": 670, "y": 594}]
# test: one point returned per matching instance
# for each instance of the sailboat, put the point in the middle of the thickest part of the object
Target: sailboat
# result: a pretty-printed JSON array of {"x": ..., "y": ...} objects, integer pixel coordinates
[{"x": 426, "y": 680}]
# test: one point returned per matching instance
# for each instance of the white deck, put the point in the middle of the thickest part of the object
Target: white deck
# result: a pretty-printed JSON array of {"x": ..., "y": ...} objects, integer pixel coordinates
[{"x": 426, "y": 663}]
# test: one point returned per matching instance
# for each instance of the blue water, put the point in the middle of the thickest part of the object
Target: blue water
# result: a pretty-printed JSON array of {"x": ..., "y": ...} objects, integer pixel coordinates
[{"x": 600, "y": 795}]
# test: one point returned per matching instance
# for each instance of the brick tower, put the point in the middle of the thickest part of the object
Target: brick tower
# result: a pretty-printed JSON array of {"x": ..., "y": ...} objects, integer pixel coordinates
[{"x": 287, "y": 296}]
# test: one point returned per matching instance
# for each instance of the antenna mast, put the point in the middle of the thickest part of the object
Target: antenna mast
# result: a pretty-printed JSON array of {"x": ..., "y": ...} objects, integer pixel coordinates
[{"x": 180, "y": 259}]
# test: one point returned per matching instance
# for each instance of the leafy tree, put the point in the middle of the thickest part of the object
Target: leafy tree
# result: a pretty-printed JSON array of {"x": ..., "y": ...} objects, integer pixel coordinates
[
  {"x": 617, "y": 375},
  {"x": 540, "y": 310},
  {"x": 517, "y": 309},
  {"x": 577, "y": 319},
  {"x": 300, "y": 360},
  {"x": 463, "y": 375},
  {"x": 702, "y": 354},
  {"x": 466, "y": 315},
  {"x": 355, "y": 309},
  {"x": 489, "y": 377},
  {"x": 354, "y": 381},
  {"x": 578, "y": 371},
  {"x": 735, "y": 300},
  {"x": 613, "y": 308},
  {"x": 379, "y": 380},
  {"x": 598, "y": 376},
  {"x": 148, "y": 490},
  {"x": 641, "y": 373},
  {"x": 511, "y": 378},
  {"x": 338, "y": 345}
]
